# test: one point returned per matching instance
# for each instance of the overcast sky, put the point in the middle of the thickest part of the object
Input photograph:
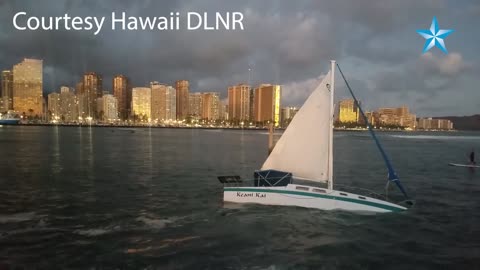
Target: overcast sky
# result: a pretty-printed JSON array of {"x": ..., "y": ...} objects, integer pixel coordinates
[{"x": 284, "y": 42}]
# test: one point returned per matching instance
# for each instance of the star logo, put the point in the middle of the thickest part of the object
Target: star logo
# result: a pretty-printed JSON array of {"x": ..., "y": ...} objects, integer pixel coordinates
[{"x": 434, "y": 36}]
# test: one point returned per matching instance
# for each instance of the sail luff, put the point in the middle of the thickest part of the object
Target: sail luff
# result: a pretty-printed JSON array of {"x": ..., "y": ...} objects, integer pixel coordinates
[{"x": 330, "y": 146}]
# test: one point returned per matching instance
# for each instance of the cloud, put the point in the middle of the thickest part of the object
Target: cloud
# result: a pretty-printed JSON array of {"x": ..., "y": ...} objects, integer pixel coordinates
[
  {"x": 449, "y": 65},
  {"x": 287, "y": 43},
  {"x": 297, "y": 92}
]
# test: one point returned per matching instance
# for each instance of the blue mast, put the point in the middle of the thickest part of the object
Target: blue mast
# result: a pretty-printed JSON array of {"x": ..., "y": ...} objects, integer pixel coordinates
[{"x": 392, "y": 175}]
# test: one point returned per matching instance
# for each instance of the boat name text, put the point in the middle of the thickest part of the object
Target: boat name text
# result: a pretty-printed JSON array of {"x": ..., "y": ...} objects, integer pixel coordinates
[{"x": 251, "y": 194}]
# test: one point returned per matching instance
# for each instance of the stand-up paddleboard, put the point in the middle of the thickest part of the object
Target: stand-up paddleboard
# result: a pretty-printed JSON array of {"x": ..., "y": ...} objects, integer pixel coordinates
[{"x": 464, "y": 165}]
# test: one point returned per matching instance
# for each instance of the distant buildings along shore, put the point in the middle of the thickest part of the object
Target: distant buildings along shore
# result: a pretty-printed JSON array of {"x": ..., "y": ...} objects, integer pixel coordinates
[
  {"x": 400, "y": 117},
  {"x": 156, "y": 103},
  {"x": 163, "y": 104}
]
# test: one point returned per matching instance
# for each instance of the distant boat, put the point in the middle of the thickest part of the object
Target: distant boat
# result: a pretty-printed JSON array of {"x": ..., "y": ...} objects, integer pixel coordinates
[
  {"x": 10, "y": 118},
  {"x": 305, "y": 152}
]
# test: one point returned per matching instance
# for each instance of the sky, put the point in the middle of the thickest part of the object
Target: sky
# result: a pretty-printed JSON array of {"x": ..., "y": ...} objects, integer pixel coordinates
[{"x": 283, "y": 42}]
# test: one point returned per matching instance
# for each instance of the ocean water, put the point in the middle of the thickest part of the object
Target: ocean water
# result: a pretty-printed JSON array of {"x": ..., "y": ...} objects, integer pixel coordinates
[{"x": 102, "y": 198}]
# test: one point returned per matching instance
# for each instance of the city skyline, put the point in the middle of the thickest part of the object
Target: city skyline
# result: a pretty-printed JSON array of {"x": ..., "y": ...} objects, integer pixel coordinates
[
  {"x": 159, "y": 102},
  {"x": 381, "y": 70}
]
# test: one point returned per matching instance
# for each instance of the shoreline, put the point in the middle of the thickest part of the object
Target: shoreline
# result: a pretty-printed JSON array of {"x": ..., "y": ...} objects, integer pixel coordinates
[{"x": 218, "y": 128}]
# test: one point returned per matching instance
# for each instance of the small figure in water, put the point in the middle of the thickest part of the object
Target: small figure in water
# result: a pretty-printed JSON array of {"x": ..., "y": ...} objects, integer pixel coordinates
[{"x": 472, "y": 157}]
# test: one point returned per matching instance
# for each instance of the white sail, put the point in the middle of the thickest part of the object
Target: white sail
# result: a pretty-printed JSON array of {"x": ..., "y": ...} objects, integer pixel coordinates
[{"x": 303, "y": 149}]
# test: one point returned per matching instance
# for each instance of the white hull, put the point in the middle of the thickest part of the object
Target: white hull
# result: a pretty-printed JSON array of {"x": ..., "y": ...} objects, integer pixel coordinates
[{"x": 309, "y": 197}]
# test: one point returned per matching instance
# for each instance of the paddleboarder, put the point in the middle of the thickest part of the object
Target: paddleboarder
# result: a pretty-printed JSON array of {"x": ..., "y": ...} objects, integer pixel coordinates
[{"x": 472, "y": 157}]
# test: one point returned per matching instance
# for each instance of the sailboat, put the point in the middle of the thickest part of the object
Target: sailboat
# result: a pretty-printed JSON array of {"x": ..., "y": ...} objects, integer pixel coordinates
[{"x": 305, "y": 153}]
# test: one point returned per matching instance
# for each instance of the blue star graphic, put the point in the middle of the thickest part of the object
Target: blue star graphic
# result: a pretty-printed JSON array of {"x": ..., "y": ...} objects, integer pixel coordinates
[{"x": 434, "y": 37}]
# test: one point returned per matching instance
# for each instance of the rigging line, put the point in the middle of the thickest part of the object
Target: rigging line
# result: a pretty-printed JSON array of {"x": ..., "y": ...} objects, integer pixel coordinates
[{"x": 392, "y": 176}]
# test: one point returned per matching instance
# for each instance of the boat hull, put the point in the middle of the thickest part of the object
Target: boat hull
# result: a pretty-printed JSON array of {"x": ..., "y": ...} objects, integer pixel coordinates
[
  {"x": 308, "y": 197},
  {"x": 9, "y": 121}
]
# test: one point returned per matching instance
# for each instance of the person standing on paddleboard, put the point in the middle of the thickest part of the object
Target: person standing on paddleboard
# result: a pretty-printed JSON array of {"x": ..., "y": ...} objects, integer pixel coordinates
[{"x": 472, "y": 157}]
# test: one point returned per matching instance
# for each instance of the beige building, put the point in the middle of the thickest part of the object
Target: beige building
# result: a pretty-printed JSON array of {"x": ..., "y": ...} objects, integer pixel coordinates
[
  {"x": 434, "y": 124},
  {"x": 211, "y": 106},
  {"x": 195, "y": 105},
  {"x": 28, "y": 87},
  {"x": 109, "y": 108},
  {"x": 163, "y": 102},
  {"x": 183, "y": 89},
  {"x": 68, "y": 105},
  {"x": 123, "y": 94},
  {"x": 239, "y": 102},
  {"x": 396, "y": 116},
  {"x": 141, "y": 103},
  {"x": 7, "y": 90},
  {"x": 54, "y": 106},
  {"x": 267, "y": 104},
  {"x": 158, "y": 101},
  {"x": 287, "y": 115},
  {"x": 87, "y": 92}
]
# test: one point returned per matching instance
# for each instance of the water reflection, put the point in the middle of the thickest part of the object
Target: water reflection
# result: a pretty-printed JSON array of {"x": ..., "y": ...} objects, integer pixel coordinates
[{"x": 56, "y": 164}]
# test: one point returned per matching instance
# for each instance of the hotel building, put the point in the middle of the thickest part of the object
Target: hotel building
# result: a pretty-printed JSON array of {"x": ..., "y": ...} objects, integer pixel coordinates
[
  {"x": 211, "y": 106},
  {"x": 348, "y": 111},
  {"x": 182, "y": 95},
  {"x": 239, "y": 102},
  {"x": 28, "y": 87},
  {"x": 163, "y": 102},
  {"x": 123, "y": 94},
  {"x": 267, "y": 104},
  {"x": 141, "y": 102},
  {"x": 7, "y": 90}
]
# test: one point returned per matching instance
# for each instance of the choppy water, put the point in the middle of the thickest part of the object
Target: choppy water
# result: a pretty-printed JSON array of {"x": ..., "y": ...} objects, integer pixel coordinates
[{"x": 97, "y": 198}]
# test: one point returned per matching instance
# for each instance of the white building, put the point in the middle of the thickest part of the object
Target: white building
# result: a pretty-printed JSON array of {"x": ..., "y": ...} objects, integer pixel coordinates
[
  {"x": 171, "y": 100},
  {"x": 110, "y": 107},
  {"x": 68, "y": 105}
]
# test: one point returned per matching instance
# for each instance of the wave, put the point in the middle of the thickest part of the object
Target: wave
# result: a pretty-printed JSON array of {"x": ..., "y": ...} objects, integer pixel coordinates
[
  {"x": 93, "y": 232},
  {"x": 436, "y": 137},
  {"x": 149, "y": 224},
  {"x": 18, "y": 217},
  {"x": 155, "y": 223}
]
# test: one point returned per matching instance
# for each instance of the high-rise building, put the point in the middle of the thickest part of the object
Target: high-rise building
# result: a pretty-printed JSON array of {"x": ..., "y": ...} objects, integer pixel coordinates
[
  {"x": 99, "y": 108},
  {"x": 348, "y": 111},
  {"x": 182, "y": 87},
  {"x": 28, "y": 87},
  {"x": 287, "y": 115},
  {"x": 54, "y": 106},
  {"x": 141, "y": 103},
  {"x": 91, "y": 90},
  {"x": 79, "y": 88},
  {"x": 223, "y": 110},
  {"x": 371, "y": 116},
  {"x": 396, "y": 116},
  {"x": 195, "y": 105},
  {"x": 109, "y": 107},
  {"x": 211, "y": 106},
  {"x": 252, "y": 105},
  {"x": 239, "y": 102},
  {"x": 435, "y": 124},
  {"x": 158, "y": 103},
  {"x": 123, "y": 93},
  {"x": 163, "y": 102},
  {"x": 7, "y": 90},
  {"x": 267, "y": 103},
  {"x": 68, "y": 105}
]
